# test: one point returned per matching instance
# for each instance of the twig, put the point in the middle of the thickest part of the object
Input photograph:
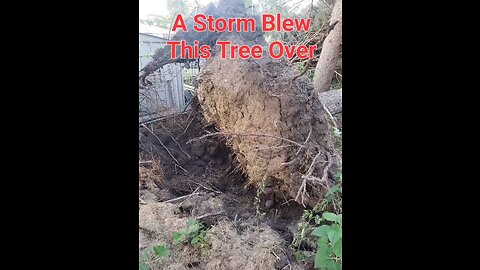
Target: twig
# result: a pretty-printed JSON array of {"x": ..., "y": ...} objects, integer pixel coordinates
[
  {"x": 207, "y": 188},
  {"x": 206, "y": 168},
  {"x": 278, "y": 258},
  {"x": 287, "y": 202},
  {"x": 175, "y": 141},
  {"x": 188, "y": 197},
  {"x": 159, "y": 118},
  {"x": 271, "y": 148},
  {"x": 188, "y": 104},
  {"x": 141, "y": 201},
  {"x": 211, "y": 214},
  {"x": 325, "y": 170},
  {"x": 234, "y": 170},
  {"x": 181, "y": 197},
  {"x": 310, "y": 169},
  {"x": 168, "y": 151},
  {"x": 144, "y": 162},
  {"x": 286, "y": 256},
  {"x": 302, "y": 191},
  {"x": 238, "y": 134},
  {"x": 307, "y": 65},
  {"x": 290, "y": 162},
  {"x": 306, "y": 140},
  {"x": 330, "y": 115},
  {"x": 303, "y": 187},
  {"x": 186, "y": 128}
]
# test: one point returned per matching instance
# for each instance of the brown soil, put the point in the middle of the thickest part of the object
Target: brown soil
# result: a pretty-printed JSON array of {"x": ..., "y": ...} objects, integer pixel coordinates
[
  {"x": 269, "y": 115},
  {"x": 216, "y": 193}
]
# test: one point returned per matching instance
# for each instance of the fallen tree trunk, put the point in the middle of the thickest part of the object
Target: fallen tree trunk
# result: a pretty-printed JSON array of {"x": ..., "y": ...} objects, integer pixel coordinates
[
  {"x": 275, "y": 125},
  {"x": 332, "y": 100},
  {"x": 330, "y": 51}
]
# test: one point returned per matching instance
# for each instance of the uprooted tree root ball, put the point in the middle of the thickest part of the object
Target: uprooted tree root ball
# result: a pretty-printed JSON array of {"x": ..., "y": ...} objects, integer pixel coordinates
[
  {"x": 275, "y": 125},
  {"x": 274, "y": 121}
]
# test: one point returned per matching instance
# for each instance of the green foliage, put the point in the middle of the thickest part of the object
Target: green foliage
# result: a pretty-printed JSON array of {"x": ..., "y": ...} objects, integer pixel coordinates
[
  {"x": 322, "y": 228},
  {"x": 337, "y": 134},
  {"x": 161, "y": 250},
  {"x": 333, "y": 198},
  {"x": 329, "y": 243},
  {"x": 157, "y": 20},
  {"x": 174, "y": 7},
  {"x": 274, "y": 7},
  {"x": 195, "y": 233},
  {"x": 156, "y": 251},
  {"x": 331, "y": 201},
  {"x": 305, "y": 227},
  {"x": 143, "y": 266}
]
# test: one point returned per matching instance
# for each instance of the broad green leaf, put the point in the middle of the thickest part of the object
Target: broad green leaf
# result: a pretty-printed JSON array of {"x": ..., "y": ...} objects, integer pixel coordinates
[
  {"x": 194, "y": 228},
  {"x": 331, "y": 236},
  {"x": 321, "y": 231},
  {"x": 161, "y": 250},
  {"x": 321, "y": 258},
  {"x": 192, "y": 222},
  {"x": 143, "y": 266},
  {"x": 323, "y": 242},
  {"x": 331, "y": 191},
  {"x": 334, "y": 234},
  {"x": 146, "y": 254},
  {"x": 339, "y": 218},
  {"x": 195, "y": 240},
  {"x": 333, "y": 265},
  {"x": 337, "y": 248},
  {"x": 178, "y": 237},
  {"x": 329, "y": 216},
  {"x": 339, "y": 176}
]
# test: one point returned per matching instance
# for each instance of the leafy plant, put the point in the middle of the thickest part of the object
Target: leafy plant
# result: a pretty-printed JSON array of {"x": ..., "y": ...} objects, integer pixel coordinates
[
  {"x": 195, "y": 233},
  {"x": 313, "y": 217},
  {"x": 333, "y": 197},
  {"x": 329, "y": 244},
  {"x": 158, "y": 251},
  {"x": 337, "y": 135},
  {"x": 161, "y": 250},
  {"x": 143, "y": 266}
]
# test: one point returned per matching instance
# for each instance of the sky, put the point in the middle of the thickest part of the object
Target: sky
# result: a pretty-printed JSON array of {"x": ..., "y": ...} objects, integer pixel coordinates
[{"x": 158, "y": 7}]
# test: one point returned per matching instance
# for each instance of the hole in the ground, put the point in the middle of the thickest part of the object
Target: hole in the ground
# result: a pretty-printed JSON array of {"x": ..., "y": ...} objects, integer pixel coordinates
[{"x": 193, "y": 264}]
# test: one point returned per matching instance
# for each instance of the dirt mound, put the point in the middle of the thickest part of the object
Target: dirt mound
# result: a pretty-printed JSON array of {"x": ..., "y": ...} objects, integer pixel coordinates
[
  {"x": 277, "y": 128},
  {"x": 256, "y": 247}
]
